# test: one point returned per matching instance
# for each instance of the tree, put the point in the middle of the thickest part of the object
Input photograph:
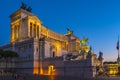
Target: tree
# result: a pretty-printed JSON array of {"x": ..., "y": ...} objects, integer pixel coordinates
[
  {"x": 7, "y": 55},
  {"x": 10, "y": 54},
  {"x": 1, "y": 53}
]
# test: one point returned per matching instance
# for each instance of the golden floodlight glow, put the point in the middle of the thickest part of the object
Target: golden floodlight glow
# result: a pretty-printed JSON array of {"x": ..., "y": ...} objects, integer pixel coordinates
[
  {"x": 113, "y": 69},
  {"x": 51, "y": 70},
  {"x": 35, "y": 70},
  {"x": 41, "y": 70}
]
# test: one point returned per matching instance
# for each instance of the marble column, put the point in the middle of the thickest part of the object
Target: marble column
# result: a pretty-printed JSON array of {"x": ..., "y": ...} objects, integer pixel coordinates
[{"x": 12, "y": 34}]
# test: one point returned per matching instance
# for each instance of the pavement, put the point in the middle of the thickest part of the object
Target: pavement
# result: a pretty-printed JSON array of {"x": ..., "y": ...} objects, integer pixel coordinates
[{"x": 31, "y": 77}]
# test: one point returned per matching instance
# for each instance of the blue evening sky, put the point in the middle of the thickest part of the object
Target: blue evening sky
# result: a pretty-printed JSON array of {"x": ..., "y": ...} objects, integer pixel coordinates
[{"x": 99, "y": 20}]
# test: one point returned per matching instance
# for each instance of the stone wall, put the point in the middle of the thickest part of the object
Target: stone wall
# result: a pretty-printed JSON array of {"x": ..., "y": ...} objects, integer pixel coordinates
[{"x": 80, "y": 68}]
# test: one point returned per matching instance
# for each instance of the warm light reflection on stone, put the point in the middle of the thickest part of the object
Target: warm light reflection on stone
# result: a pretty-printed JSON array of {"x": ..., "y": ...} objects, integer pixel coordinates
[{"x": 51, "y": 70}]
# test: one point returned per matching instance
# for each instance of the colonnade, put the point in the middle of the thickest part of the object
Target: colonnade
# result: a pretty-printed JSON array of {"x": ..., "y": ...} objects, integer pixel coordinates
[
  {"x": 34, "y": 30},
  {"x": 15, "y": 32}
]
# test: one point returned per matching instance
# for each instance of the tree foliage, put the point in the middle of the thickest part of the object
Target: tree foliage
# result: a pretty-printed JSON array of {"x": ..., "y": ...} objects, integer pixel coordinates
[
  {"x": 1, "y": 53},
  {"x": 8, "y": 54}
]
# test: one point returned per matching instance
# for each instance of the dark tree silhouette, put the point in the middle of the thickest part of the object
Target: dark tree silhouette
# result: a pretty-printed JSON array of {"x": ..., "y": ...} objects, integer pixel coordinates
[
  {"x": 1, "y": 53},
  {"x": 6, "y": 55},
  {"x": 10, "y": 54}
]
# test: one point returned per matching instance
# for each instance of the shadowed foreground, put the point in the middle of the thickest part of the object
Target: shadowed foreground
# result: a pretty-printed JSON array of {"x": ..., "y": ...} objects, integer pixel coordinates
[{"x": 31, "y": 77}]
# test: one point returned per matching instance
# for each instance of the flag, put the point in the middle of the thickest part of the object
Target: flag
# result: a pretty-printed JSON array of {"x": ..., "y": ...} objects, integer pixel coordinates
[{"x": 117, "y": 47}]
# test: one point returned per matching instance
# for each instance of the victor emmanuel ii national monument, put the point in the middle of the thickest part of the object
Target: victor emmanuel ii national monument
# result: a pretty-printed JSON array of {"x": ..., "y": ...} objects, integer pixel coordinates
[{"x": 45, "y": 52}]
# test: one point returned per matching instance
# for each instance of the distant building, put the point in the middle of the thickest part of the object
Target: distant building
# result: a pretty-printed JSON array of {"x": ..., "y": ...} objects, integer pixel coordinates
[
  {"x": 45, "y": 52},
  {"x": 111, "y": 68}
]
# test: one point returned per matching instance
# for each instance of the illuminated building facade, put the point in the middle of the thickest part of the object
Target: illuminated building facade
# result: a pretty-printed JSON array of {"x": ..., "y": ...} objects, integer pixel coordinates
[
  {"x": 111, "y": 68},
  {"x": 45, "y": 52}
]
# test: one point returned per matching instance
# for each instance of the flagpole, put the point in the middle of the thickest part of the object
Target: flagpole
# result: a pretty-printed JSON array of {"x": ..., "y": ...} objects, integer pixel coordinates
[
  {"x": 118, "y": 47},
  {"x": 118, "y": 59},
  {"x": 118, "y": 53}
]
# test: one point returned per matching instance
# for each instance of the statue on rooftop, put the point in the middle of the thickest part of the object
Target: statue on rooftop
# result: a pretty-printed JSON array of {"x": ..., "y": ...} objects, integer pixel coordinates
[
  {"x": 100, "y": 57},
  {"x": 84, "y": 42},
  {"x": 69, "y": 31},
  {"x": 29, "y": 9},
  {"x": 23, "y": 6}
]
